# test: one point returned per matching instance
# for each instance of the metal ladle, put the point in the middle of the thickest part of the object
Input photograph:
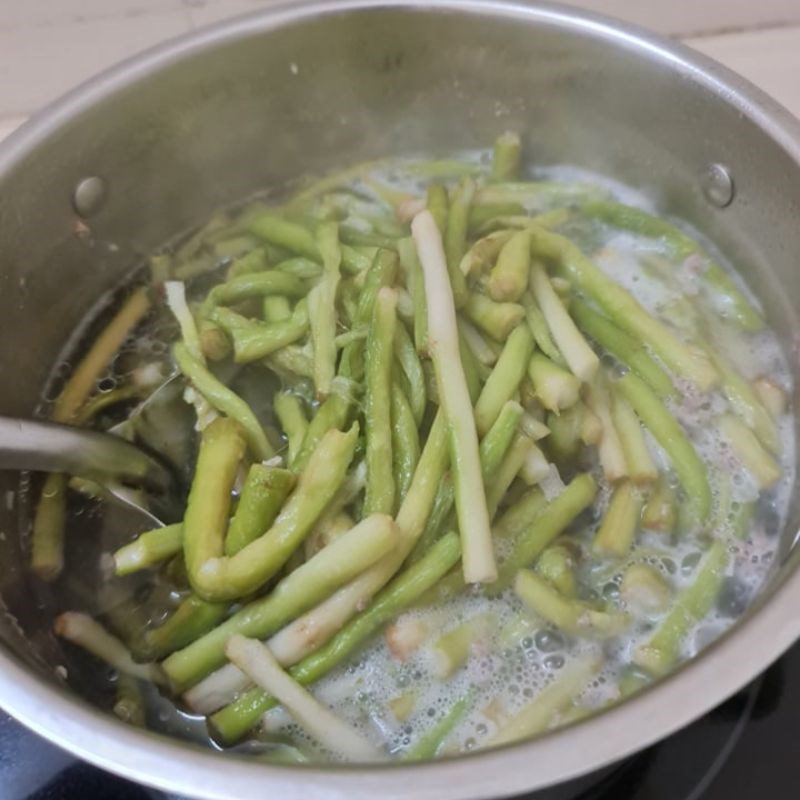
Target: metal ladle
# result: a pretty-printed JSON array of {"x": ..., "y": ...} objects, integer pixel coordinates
[{"x": 107, "y": 459}]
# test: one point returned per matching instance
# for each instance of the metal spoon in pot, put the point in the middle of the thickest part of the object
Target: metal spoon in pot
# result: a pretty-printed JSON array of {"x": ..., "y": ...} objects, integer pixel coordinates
[
  {"x": 163, "y": 428},
  {"x": 109, "y": 460},
  {"x": 163, "y": 424}
]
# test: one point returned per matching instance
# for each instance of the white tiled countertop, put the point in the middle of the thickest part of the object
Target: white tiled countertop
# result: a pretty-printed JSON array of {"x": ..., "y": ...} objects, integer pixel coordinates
[{"x": 48, "y": 46}]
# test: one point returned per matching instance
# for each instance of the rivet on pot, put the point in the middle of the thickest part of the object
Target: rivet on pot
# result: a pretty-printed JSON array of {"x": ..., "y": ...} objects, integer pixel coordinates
[
  {"x": 718, "y": 185},
  {"x": 89, "y": 196}
]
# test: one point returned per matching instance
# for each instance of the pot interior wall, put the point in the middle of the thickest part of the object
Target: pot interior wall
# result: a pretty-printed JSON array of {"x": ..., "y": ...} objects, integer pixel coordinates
[{"x": 176, "y": 140}]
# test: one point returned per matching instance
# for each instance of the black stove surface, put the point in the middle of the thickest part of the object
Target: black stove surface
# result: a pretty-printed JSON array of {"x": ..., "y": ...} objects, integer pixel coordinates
[{"x": 743, "y": 750}]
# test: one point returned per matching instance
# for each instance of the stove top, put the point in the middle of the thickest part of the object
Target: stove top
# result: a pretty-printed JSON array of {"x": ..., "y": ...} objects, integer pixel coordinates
[{"x": 743, "y": 750}]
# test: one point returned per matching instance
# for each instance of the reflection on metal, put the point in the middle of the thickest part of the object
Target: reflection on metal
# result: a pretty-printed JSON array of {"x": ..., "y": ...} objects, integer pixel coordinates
[{"x": 208, "y": 119}]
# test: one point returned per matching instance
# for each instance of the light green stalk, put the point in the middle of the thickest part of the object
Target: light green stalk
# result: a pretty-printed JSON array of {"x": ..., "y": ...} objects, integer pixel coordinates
[
  {"x": 497, "y": 320},
  {"x": 380, "y": 491},
  {"x": 763, "y": 467},
  {"x": 332, "y": 414},
  {"x": 746, "y": 404},
  {"x": 451, "y": 650},
  {"x": 294, "y": 642},
  {"x": 190, "y": 620},
  {"x": 536, "y": 467},
  {"x": 581, "y": 359},
  {"x": 536, "y": 193},
  {"x": 546, "y": 526},
  {"x": 660, "y": 511},
  {"x": 543, "y": 710},
  {"x": 276, "y": 308},
  {"x": 663, "y": 649},
  {"x": 207, "y": 510},
  {"x": 771, "y": 396},
  {"x": 484, "y": 352},
  {"x": 382, "y": 273},
  {"x": 82, "y": 630},
  {"x": 300, "y": 267},
  {"x": 508, "y": 279},
  {"x": 149, "y": 548},
  {"x": 493, "y": 216},
  {"x": 505, "y": 378},
  {"x": 289, "y": 235},
  {"x": 411, "y": 368},
  {"x": 224, "y": 400},
  {"x": 322, "y": 308},
  {"x": 334, "y": 565},
  {"x": 47, "y": 545},
  {"x": 49, "y": 522},
  {"x": 623, "y": 309},
  {"x": 416, "y": 284},
  {"x": 520, "y": 515},
  {"x": 234, "y": 721},
  {"x": 405, "y": 443},
  {"x": 557, "y": 565},
  {"x": 455, "y": 239},
  {"x": 556, "y": 388},
  {"x": 431, "y": 742},
  {"x": 438, "y": 203},
  {"x": 316, "y": 719},
  {"x": 568, "y": 614},
  {"x": 618, "y": 529},
  {"x": 640, "y": 464},
  {"x": 289, "y": 410},
  {"x": 253, "y": 340},
  {"x": 564, "y": 440},
  {"x": 541, "y": 333},
  {"x": 129, "y": 704},
  {"x": 478, "y": 556},
  {"x": 645, "y": 590},
  {"x": 691, "y": 470},
  {"x": 218, "y": 578},
  {"x": 262, "y": 496},
  {"x": 507, "y": 157},
  {"x": 622, "y": 346},
  {"x": 494, "y": 451},
  {"x": 483, "y": 253},
  {"x": 502, "y": 478},
  {"x": 736, "y": 305},
  {"x": 255, "y": 284}
]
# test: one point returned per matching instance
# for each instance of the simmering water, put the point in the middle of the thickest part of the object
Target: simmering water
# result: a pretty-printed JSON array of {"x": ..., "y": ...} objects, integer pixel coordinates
[{"x": 393, "y": 690}]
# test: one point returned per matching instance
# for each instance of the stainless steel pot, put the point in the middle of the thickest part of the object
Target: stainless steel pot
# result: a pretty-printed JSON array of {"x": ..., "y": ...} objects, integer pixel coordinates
[{"x": 209, "y": 118}]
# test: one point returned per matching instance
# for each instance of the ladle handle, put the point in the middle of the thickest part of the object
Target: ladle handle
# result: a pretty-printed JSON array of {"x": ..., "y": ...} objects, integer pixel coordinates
[{"x": 51, "y": 447}]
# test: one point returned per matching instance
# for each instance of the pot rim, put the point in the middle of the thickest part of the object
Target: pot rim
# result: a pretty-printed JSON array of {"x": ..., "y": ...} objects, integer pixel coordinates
[{"x": 766, "y": 631}]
